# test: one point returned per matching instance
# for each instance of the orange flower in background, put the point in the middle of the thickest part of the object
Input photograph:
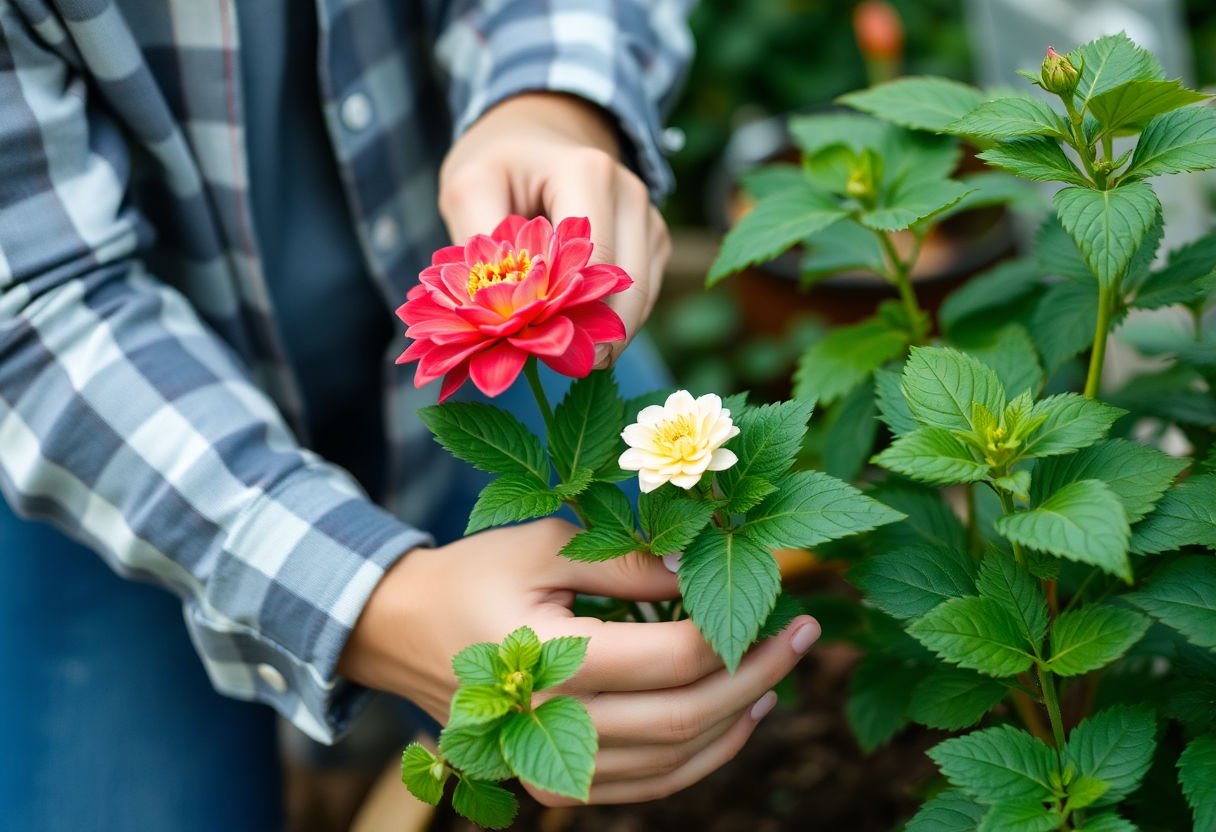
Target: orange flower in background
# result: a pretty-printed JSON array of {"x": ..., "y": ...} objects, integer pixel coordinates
[{"x": 482, "y": 309}]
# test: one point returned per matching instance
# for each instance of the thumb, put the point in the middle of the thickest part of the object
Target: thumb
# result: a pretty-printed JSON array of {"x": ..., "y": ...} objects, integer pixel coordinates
[{"x": 634, "y": 577}]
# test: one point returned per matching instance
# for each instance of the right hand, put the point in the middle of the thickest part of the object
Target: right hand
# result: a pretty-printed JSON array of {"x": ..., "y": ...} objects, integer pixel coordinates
[{"x": 666, "y": 710}]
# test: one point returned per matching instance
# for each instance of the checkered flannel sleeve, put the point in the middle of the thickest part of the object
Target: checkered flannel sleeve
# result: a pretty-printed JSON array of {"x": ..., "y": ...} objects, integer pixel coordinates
[
  {"x": 128, "y": 424},
  {"x": 627, "y": 56}
]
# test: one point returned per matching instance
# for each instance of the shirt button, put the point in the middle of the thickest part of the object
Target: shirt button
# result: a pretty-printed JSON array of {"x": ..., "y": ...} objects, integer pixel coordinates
[
  {"x": 272, "y": 677},
  {"x": 356, "y": 111},
  {"x": 385, "y": 233}
]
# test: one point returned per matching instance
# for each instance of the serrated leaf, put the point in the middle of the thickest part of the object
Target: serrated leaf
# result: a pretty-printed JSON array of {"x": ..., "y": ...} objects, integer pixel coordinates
[
  {"x": 1182, "y": 595},
  {"x": 747, "y": 493},
  {"x": 775, "y": 224},
  {"x": 844, "y": 246},
  {"x": 811, "y": 508},
  {"x": 475, "y": 749},
  {"x": 1139, "y": 475},
  {"x": 1011, "y": 586},
  {"x": 1072, "y": 422},
  {"x": 1009, "y": 117},
  {"x": 729, "y": 583},
  {"x": 951, "y": 811},
  {"x": 1108, "y": 226},
  {"x": 922, "y": 103},
  {"x": 1083, "y": 521},
  {"x": 1031, "y": 816},
  {"x": 836, "y": 364},
  {"x": 1064, "y": 320},
  {"x": 587, "y": 424},
  {"x": 1001, "y": 764},
  {"x": 878, "y": 696},
  {"x": 912, "y": 203},
  {"x": 488, "y": 438},
  {"x": 940, "y": 385},
  {"x": 990, "y": 188},
  {"x": 553, "y": 747},
  {"x": 477, "y": 704},
  {"x": 849, "y": 437},
  {"x": 1011, "y": 354},
  {"x": 909, "y": 582},
  {"x": 1057, "y": 254},
  {"x": 1179, "y": 281},
  {"x": 511, "y": 498},
  {"x": 976, "y": 633},
  {"x": 520, "y": 650},
  {"x": 952, "y": 699},
  {"x": 1108, "y": 822},
  {"x": 1197, "y": 773},
  {"x": 416, "y": 772},
  {"x": 1177, "y": 142},
  {"x": 769, "y": 439},
  {"x": 1084, "y": 791},
  {"x": 927, "y": 519},
  {"x": 784, "y": 611},
  {"x": 478, "y": 664},
  {"x": 560, "y": 659},
  {"x": 932, "y": 455},
  {"x": 1092, "y": 637},
  {"x": 1035, "y": 157},
  {"x": 598, "y": 544},
  {"x": 606, "y": 507},
  {"x": 1110, "y": 61},
  {"x": 1168, "y": 339},
  {"x": 672, "y": 521},
  {"x": 990, "y": 293},
  {"x": 892, "y": 408},
  {"x": 1185, "y": 516},
  {"x": 1115, "y": 746},
  {"x": 486, "y": 804},
  {"x": 1133, "y": 104},
  {"x": 764, "y": 180}
]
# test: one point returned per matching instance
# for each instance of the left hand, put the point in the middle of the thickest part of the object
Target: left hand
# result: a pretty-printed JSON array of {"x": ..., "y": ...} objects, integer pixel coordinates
[{"x": 555, "y": 155}]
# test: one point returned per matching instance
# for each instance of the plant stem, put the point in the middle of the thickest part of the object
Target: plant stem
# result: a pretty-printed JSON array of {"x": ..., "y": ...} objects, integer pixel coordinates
[
  {"x": 1197, "y": 322},
  {"x": 1081, "y": 146},
  {"x": 1031, "y": 716},
  {"x": 1097, "y": 355},
  {"x": 1053, "y": 706},
  {"x": 538, "y": 391},
  {"x": 901, "y": 278},
  {"x": 1007, "y": 507}
]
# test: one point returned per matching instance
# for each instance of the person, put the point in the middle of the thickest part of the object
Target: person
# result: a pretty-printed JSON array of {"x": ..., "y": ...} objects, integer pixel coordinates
[{"x": 208, "y": 212}]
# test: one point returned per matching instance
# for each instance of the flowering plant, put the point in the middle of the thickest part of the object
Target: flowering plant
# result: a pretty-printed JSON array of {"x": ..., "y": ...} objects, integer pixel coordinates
[{"x": 714, "y": 473}]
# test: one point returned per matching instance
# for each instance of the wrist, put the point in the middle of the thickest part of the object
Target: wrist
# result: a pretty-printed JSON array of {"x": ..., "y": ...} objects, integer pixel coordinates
[{"x": 577, "y": 118}]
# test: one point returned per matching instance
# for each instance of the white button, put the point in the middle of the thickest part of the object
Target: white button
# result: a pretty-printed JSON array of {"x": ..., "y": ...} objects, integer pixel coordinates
[
  {"x": 272, "y": 677},
  {"x": 385, "y": 233},
  {"x": 356, "y": 111},
  {"x": 673, "y": 140}
]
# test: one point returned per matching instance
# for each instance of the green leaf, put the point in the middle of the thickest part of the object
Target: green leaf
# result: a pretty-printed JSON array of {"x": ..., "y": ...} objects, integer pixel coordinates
[
  {"x": 672, "y": 521},
  {"x": 1091, "y": 637},
  {"x": 520, "y": 650},
  {"x": 1064, "y": 321},
  {"x": 1180, "y": 280},
  {"x": 475, "y": 749},
  {"x": 606, "y": 508},
  {"x": 769, "y": 439},
  {"x": 953, "y": 699},
  {"x": 909, "y": 204},
  {"x": 418, "y": 767},
  {"x": 836, "y": 364},
  {"x": 1186, "y": 516},
  {"x": 587, "y": 424},
  {"x": 747, "y": 493},
  {"x": 1133, "y": 104},
  {"x": 951, "y": 811},
  {"x": 928, "y": 519},
  {"x": 1108, "y": 226},
  {"x": 990, "y": 293},
  {"x": 940, "y": 385},
  {"x": 932, "y": 455},
  {"x": 1109, "y": 62},
  {"x": 1020, "y": 817},
  {"x": 878, "y": 696},
  {"x": 1177, "y": 142},
  {"x": 476, "y": 704},
  {"x": 1072, "y": 422},
  {"x": 848, "y": 440},
  {"x": 479, "y": 664},
  {"x": 921, "y": 103},
  {"x": 762, "y": 181},
  {"x": 909, "y": 582},
  {"x": 553, "y": 747},
  {"x": 1035, "y": 157},
  {"x": 1115, "y": 746},
  {"x": 1083, "y": 521},
  {"x": 1057, "y": 254},
  {"x": 729, "y": 583},
  {"x": 784, "y": 611},
  {"x": 1108, "y": 822},
  {"x": 486, "y": 804},
  {"x": 1019, "y": 594},
  {"x": 1138, "y": 474},
  {"x": 511, "y": 498},
  {"x": 998, "y": 765},
  {"x": 976, "y": 633},
  {"x": 891, "y": 405},
  {"x": 775, "y": 224},
  {"x": 992, "y": 188},
  {"x": 600, "y": 543},
  {"x": 1182, "y": 595},
  {"x": 560, "y": 659},
  {"x": 1197, "y": 773},
  {"x": 811, "y": 508},
  {"x": 1010, "y": 117},
  {"x": 1084, "y": 791},
  {"x": 487, "y": 438},
  {"x": 844, "y": 246},
  {"x": 1011, "y": 354}
]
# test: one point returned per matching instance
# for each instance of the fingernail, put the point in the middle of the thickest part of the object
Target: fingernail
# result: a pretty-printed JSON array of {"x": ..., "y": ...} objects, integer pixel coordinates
[
  {"x": 672, "y": 562},
  {"x": 602, "y": 351},
  {"x": 763, "y": 705},
  {"x": 805, "y": 636}
]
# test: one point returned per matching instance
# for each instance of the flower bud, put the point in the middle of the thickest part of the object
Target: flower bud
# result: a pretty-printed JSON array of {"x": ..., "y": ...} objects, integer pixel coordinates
[
  {"x": 1058, "y": 75},
  {"x": 880, "y": 32}
]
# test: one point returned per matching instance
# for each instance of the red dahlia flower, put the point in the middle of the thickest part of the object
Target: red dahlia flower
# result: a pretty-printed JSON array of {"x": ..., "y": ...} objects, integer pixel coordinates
[{"x": 483, "y": 308}]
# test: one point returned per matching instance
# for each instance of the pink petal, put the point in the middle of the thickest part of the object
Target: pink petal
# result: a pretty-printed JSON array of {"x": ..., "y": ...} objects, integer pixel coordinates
[
  {"x": 437, "y": 326},
  {"x": 443, "y": 357},
  {"x": 481, "y": 249},
  {"x": 596, "y": 319},
  {"x": 452, "y": 381},
  {"x": 550, "y": 338},
  {"x": 448, "y": 254},
  {"x": 572, "y": 228},
  {"x": 603, "y": 279},
  {"x": 569, "y": 258},
  {"x": 414, "y": 351},
  {"x": 534, "y": 286},
  {"x": 497, "y": 298},
  {"x": 495, "y": 369},
  {"x": 535, "y": 236},
  {"x": 577, "y": 360},
  {"x": 454, "y": 281},
  {"x": 508, "y": 229}
]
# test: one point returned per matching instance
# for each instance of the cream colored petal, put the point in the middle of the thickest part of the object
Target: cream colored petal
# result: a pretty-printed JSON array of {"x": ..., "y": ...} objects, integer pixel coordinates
[
  {"x": 685, "y": 481},
  {"x": 639, "y": 436},
  {"x": 632, "y": 460},
  {"x": 648, "y": 481},
  {"x": 682, "y": 401},
  {"x": 722, "y": 459},
  {"x": 651, "y": 414}
]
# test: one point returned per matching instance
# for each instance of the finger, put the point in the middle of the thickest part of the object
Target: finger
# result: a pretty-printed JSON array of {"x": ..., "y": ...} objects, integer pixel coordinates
[
  {"x": 679, "y": 715},
  {"x": 660, "y": 253},
  {"x": 474, "y": 201},
  {"x": 585, "y": 186},
  {"x": 634, "y": 577},
  {"x": 635, "y": 762},
  {"x": 633, "y": 254},
  {"x": 625, "y": 656}
]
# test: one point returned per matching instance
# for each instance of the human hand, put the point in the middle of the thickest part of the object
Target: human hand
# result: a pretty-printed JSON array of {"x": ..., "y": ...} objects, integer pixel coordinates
[
  {"x": 556, "y": 155},
  {"x": 666, "y": 711}
]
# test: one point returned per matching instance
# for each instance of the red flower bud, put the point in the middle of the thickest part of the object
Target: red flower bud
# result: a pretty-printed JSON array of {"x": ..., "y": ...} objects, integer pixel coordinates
[{"x": 879, "y": 31}]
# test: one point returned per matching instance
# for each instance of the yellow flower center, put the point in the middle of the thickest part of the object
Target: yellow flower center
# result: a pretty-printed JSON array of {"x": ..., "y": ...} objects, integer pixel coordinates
[
  {"x": 678, "y": 436},
  {"x": 512, "y": 268}
]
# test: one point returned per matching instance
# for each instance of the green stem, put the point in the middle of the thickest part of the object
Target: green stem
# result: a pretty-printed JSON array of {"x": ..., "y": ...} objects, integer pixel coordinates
[
  {"x": 1197, "y": 322},
  {"x": 1097, "y": 355},
  {"x": 1084, "y": 150},
  {"x": 1053, "y": 706},
  {"x": 901, "y": 277},
  {"x": 1108, "y": 147},
  {"x": 1007, "y": 507},
  {"x": 538, "y": 391}
]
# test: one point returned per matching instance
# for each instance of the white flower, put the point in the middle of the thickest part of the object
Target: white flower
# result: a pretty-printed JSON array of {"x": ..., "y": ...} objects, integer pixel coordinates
[{"x": 679, "y": 441}]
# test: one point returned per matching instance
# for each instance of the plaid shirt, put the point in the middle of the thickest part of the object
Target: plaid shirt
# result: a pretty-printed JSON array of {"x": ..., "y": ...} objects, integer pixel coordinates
[{"x": 146, "y": 406}]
